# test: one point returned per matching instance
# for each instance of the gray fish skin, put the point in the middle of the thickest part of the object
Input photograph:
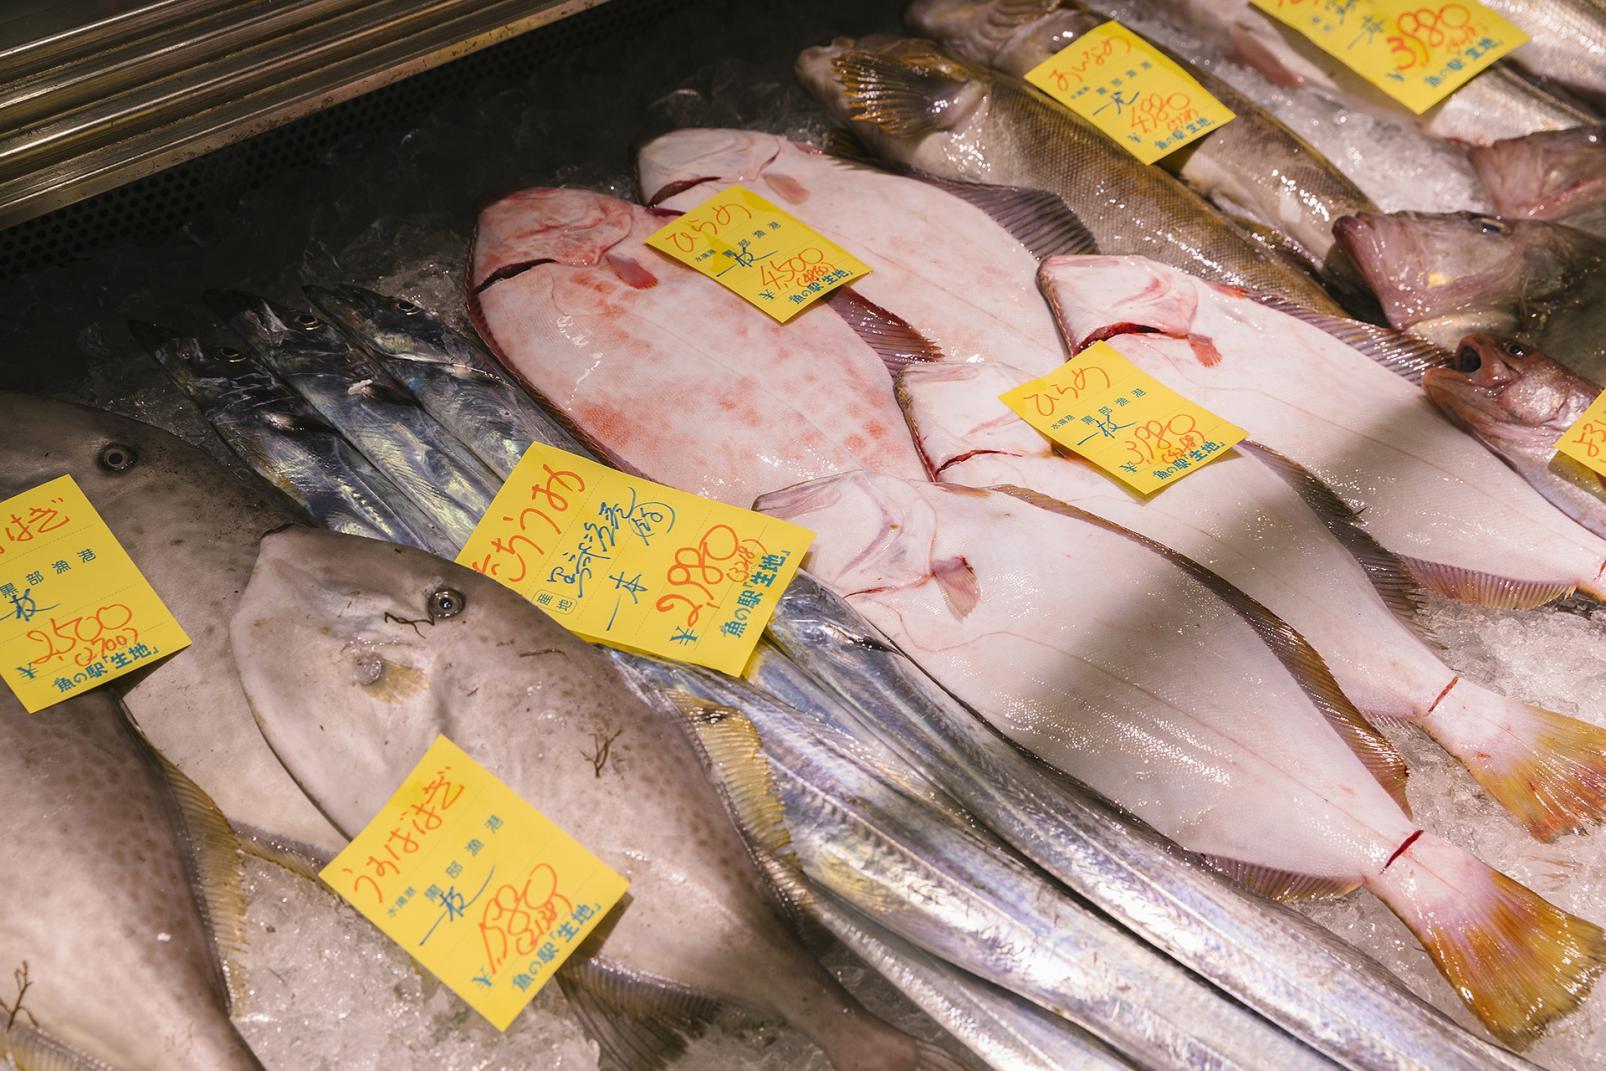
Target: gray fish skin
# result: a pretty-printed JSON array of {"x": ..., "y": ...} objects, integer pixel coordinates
[
  {"x": 1519, "y": 403},
  {"x": 983, "y": 126},
  {"x": 1444, "y": 276},
  {"x": 386, "y": 671},
  {"x": 192, "y": 529},
  {"x": 440, "y": 474},
  {"x": 99, "y": 903},
  {"x": 1566, "y": 42},
  {"x": 958, "y": 894},
  {"x": 286, "y": 442},
  {"x": 1263, "y": 954},
  {"x": 1254, "y": 165},
  {"x": 451, "y": 377},
  {"x": 1557, "y": 175}
]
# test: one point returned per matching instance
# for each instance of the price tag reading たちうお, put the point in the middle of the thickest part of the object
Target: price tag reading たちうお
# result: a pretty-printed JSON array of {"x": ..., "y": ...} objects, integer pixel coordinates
[
  {"x": 1416, "y": 51},
  {"x": 758, "y": 252},
  {"x": 479, "y": 886},
  {"x": 74, "y": 610},
  {"x": 634, "y": 564},
  {"x": 1585, "y": 441},
  {"x": 1122, "y": 419},
  {"x": 1131, "y": 91}
]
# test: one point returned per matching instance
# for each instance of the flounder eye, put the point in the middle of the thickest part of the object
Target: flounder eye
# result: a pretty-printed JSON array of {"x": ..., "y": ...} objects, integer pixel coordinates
[
  {"x": 117, "y": 457},
  {"x": 1490, "y": 224},
  {"x": 1515, "y": 350},
  {"x": 445, "y": 602}
]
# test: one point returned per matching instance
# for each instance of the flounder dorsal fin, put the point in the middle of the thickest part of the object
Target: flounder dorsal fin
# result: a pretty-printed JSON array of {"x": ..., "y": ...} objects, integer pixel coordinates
[{"x": 1404, "y": 355}]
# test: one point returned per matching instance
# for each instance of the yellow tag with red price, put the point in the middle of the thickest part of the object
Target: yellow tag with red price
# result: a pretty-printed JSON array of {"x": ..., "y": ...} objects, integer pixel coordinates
[
  {"x": 74, "y": 611},
  {"x": 1585, "y": 441},
  {"x": 477, "y": 885},
  {"x": 1417, "y": 52},
  {"x": 1110, "y": 411},
  {"x": 758, "y": 252},
  {"x": 1131, "y": 91},
  {"x": 634, "y": 564}
]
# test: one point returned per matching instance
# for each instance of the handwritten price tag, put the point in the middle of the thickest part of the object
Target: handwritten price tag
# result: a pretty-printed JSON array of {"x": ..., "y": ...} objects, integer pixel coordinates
[
  {"x": 74, "y": 611},
  {"x": 758, "y": 252},
  {"x": 1130, "y": 90},
  {"x": 1585, "y": 441},
  {"x": 634, "y": 564},
  {"x": 1125, "y": 421},
  {"x": 474, "y": 882},
  {"x": 1417, "y": 52}
]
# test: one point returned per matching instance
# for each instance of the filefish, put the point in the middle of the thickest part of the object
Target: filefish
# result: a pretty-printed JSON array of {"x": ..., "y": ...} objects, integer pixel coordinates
[
  {"x": 1261, "y": 953},
  {"x": 452, "y": 378},
  {"x": 124, "y": 901},
  {"x": 1464, "y": 524},
  {"x": 1276, "y": 533},
  {"x": 284, "y": 440},
  {"x": 1566, "y": 42},
  {"x": 443, "y": 479},
  {"x": 1519, "y": 403},
  {"x": 394, "y": 647},
  {"x": 1558, "y": 176},
  {"x": 915, "y": 105},
  {"x": 1175, "y": 695},
  {"x": 1498, "y": 103},
  {"x": 944, "y": 261},
  {"x": 1446, "y": 276},
  {"x": 1253, "y": 165},
  {"x": 192, "y": 530},
  {"x": 664, "y": 372}
]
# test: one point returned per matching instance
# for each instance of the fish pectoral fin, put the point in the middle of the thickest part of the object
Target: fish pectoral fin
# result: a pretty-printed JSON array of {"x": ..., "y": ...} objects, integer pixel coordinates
[
  {"x": 900, "y": 97},
  {"x": 960, "y": 588},
  {"x": 890, "y": 337},
  {"x": 640, "y": 1022},
  {"x": 1277, "y": 884},
  {"x": 31, "y": 1049}
]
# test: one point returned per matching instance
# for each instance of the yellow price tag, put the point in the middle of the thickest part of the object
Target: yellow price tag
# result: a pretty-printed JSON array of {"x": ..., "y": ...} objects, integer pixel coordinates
[
  {"x": 758, "y": 252},
  {"x": 634, "y": 564},
  {"x": 1131, "y": 91},
  {"x": 1585, "y": 441},
  {"x": 74, "y": 610},
  {"x": 1416, "y": 51},
  {"x": 1110, "y": 411},
  {"x": 479, "y": 886}
]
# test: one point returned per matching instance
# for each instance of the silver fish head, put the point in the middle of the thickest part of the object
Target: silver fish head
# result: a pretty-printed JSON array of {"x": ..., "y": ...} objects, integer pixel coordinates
[
  {"x": 210, "y": 374},
  {"x": 683, "y": 159},
  {"x": 895, "y": 93},
  {"x": 1449, "y": 274},
  {"x": 1554, "y": 174},
  {"x": 392, "y": 329},
  {"x": 289, "y": 341},
  {"x": 1007, "y": 34},
  {"x": 1508, "y": 393}
]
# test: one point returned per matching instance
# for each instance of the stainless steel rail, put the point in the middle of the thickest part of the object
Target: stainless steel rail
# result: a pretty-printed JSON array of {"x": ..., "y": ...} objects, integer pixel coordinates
[{"x": 92, "y": 107}]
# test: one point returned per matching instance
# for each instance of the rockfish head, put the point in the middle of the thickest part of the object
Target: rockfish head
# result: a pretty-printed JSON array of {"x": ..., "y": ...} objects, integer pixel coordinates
[
  {"x": 1508, "y": 394},
  {"x": 900, "y": 96},
  {"x": 673, "y": 163},
  {"x": 1553, "y": 174},
  {"x": 1446, "y": 275},
  {"x": 545, "y": 225},
  {"x": 1011, "y": 35}
]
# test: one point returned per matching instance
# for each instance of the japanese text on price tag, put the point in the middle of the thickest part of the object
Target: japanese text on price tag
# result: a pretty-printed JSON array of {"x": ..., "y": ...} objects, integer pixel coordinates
[
  {"x": 1416, "y": 51},
  {"x": 1131, "y": 91},
  {"x": 1108, "y": 410},
  {"x": 479, "y": 886},
  {"x": 1585, "y": 441},
  {"x": 758, "y": 252},
  {"x": 74, "y": 611},
  {"x": 635, "y": 564}
]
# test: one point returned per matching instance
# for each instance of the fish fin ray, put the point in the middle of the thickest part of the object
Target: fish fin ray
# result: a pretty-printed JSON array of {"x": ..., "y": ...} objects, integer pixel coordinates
[
  {"x": 888, "y": 335},
  {"x": 1276, "y": 884},
  {"x": 1394, "y": 581},
  {"x": 640, "y": 1022},
  {"x": 1040, "y": 220},
  {"x": 895, "y": 94},
  {"x": 1484, "y": 589},
  {"x": 32, "y": 1049},
  {"x": 298, "y": 859},
  {"x": 1554, "y": 780},
  {"x": 1296, "y": 654},
  {"x": 1404, "y": 355},
  {"x": 960, "y": 588}
]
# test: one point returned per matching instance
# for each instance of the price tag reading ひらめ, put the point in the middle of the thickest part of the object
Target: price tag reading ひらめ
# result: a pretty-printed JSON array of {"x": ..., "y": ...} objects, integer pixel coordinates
[
  {"x": 479, "y": 886},
  {"x": 74, "y": 610},
  {"x": 758, "y": 252},
  {"x": 634, "y": 564},
  {"x": 1585, "y": 441},
  {"x": 1131, "y": 91},
  {"x": 1416, "y": 51},
  {"x": 1122, "y": 419}
]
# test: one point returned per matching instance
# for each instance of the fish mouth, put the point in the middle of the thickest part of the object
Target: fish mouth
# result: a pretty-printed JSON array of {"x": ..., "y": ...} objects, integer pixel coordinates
[{"x": 1364, "y": 240}]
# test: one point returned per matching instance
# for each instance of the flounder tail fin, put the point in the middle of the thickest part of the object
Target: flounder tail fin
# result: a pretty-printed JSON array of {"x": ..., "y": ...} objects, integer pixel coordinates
[
  {"x": 1547, "y": 769},
  {"x": 1518, "y": 961}
]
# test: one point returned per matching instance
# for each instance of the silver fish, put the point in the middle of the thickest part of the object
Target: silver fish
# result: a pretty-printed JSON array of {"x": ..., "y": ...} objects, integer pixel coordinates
[
  {"x": 192, "y": 529},
  {"x": 124, "y": 900},
  {"x": 1566, "y": 42},
  {"x": 387, "y": 424},
  {"x": 284, "y": 440},
  {"x": 394, "y": 646},
  {"x": 1557, "y": 175}
]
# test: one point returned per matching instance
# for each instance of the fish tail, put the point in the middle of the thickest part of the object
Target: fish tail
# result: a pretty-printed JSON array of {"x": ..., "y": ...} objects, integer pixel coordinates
[
  {"x": 1547, "y": 769},
  {"x": 1518, "y": 961}
]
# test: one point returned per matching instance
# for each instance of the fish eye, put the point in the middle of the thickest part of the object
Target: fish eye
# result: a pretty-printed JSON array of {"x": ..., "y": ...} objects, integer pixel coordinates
[
  {"x": 407, "y": 308},
  {"x": 1490, "y": 224},
  {"x": 308, "y": 322},
  {"x": 445, "y": 602},
  {"x": 117, "y": 457},
  {"x": 1515, "y": 349},
  {"x": 1468, "y": 359},
  {"x": 230, "y": 354}
]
